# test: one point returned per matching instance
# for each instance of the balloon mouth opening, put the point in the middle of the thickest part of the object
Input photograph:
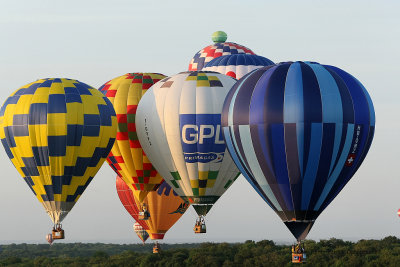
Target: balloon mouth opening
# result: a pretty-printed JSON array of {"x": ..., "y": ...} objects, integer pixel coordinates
[{"x": 157, "y": 236}]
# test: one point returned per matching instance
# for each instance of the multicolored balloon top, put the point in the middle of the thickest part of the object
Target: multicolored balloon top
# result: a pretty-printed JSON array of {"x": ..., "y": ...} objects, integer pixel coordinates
[
  {"x": 215, "y": 50},
  {"x": 127, "y": 158}
]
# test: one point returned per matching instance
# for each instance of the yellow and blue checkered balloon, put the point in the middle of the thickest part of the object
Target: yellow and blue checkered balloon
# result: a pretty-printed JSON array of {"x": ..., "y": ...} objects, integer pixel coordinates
[{"x": 57, "y": 133}]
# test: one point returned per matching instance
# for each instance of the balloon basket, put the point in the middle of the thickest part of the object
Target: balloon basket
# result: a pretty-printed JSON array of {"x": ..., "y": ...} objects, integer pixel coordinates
[
  {"x": 200, "y": 226},
  {"x": 58, "y": 234},
  {"x": 144, "y": 215},
  {"x": 156, "y": 248},
  {"x": 298, "y": 254}
]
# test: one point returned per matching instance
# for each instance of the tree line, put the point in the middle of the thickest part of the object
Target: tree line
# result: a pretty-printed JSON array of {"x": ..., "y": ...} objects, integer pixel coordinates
[{"x": 332, "y": 252}]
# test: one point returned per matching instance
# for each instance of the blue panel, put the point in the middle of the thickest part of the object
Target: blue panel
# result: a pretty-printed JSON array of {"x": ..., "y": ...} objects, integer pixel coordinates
[
  {"x": 69, "y": 170},
  {"x": 338, "y": 168},
  {"x": 7, "y": 148},
  {"x": 332, "y": 110},
  {"x": 371, "y": 106},
  {"x": 347, "y": 103},
  {"x": 279, "y": 160},
  {"x": 294, "y": 105},
  {"x": 8, "y": 131},
  {"x": 240, "y": 103},
  {"x": 109, "y": 146},
  {"x": 71, "y": 90},
  {"x": 292, "y": 163},
  {"x": 91, "y": 119},
  {"x": 312, "y": 164},
  {"x": 110, "y": 106},
  {"x": 73, "y": 98},
  {"x": 74, "y": 134},
  {"x": 97, "y": 155},
  {"x": 41, "y": 155},
  {"x": 59, "y": 181},
  {"x": 361, "y": 108},
  {"x": 274, "y": 96},
  {"x": 81, "y": 166},
  {"x": 312, "y": 96},
  {"x": 46, "y": 83},
  {"x": 91, "y": 130},
  {"x": 30, "y": 165},
  {"x": 257, "y": 104},
  {"x": 20, "y": 119},
  {"x": 32, "y": 89},
  {"x": 83, "y": 89},
  {"x": 50, "y": 196},
  {"x": 105, "y": 115},
  {"x": 38, "y": 113},
  {"x": 328, "y": 137},
  {"x": 57, "y": 145},
  {"x": 57, "y": 104},
  {"x": 21, "y": 130}
]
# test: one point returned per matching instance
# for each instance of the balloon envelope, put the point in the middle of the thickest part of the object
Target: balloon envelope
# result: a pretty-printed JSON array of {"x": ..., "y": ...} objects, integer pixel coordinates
[
  {"x": 49, "y": 238},
  {"x": 179, "y": 126},
  {"x": 237, "y": 65},
  {"x": 127, "y": 158},
  {"x": 164, "y": 205},
  {"x": 298, "y": 132},
  {"x": 57, "y": 133},
  {"x": 140, "y": 231},
  {"x": 205, "y": 55}
]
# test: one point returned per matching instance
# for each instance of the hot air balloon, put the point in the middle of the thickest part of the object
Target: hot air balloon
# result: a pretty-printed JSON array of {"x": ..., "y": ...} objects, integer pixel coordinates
[
  {"x": 179, "y": 126},
  {"x": 219, "y": 48},
  {"x": 49, "y": 238},
  {"x": 164, "y": 204},
  {"x": 298, "y": 132},
  {"x": 57, "y": 133},
  {"x": 127, "y": 158},
  {"x": 140, "y": 231},
  {"x": 398, "y": 212},
  {"x": 237, "y": 65}
]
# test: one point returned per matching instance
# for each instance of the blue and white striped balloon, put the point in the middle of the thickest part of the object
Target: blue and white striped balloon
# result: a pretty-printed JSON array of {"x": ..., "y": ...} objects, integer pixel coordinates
[{"x": 298, "y": 132}]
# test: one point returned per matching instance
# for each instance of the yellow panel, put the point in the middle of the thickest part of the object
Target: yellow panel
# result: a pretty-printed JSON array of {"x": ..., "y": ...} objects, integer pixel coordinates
[
  {"x": 213, "y": 78},
  {"x": 57, "y": 124},
  {"x": 202, "y": 191},
  {"x": 53, "y": 162},
  {"x": 70, "y": 155},
  {"x": 88, "y": 144},
  {"x": 191, "y": 78},
  {"x": 203, "y": 175},
  {"x": 57, "y": 88},
  {"x": 75, "y": 113},
  {"x": 23, "y": 146},
  {"x": 203, "y": 83},
  {"x": 41, "y": 95},
  {"x": 210, "y": 183},
  {"x": 194, "y": 183},
  {"x": 57, "y": 197},
  {"x": 89, "y": 104},
  {"x": 38, "y": 134}
]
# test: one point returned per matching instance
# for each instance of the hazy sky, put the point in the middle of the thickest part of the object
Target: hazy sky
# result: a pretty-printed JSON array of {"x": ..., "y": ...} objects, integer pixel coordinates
[{"x": 94, "y": 41}]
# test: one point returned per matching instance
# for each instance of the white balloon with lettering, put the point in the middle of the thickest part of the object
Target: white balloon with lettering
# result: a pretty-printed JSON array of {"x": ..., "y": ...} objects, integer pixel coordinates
[{"x": 178, "y": 123}]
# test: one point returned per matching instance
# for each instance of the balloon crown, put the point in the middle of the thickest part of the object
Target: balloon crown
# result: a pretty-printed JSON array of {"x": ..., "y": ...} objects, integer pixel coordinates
[{"x": 219, "y": 37}]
